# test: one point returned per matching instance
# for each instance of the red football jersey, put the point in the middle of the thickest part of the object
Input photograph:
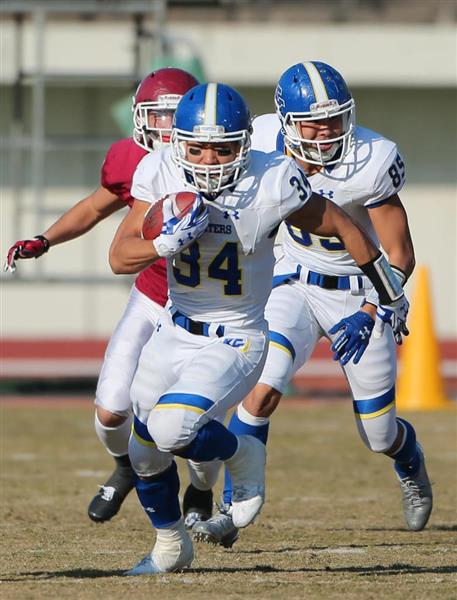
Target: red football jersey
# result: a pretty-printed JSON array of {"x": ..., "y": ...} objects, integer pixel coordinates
[{"x": 116, "y": 176}]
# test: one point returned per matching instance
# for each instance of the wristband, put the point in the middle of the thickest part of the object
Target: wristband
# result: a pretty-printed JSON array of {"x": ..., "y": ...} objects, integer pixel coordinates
[
  {"x": 45, "y": 241},
  {"x": 383, "y": 278}
]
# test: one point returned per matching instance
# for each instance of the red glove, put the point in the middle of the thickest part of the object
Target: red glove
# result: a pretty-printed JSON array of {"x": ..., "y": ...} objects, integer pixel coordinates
[{"x": 26, "y": 249}]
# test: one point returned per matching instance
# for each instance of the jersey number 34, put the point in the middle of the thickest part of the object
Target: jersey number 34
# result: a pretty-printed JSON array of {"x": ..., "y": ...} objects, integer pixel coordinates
[{"x": 224, "y": 266}]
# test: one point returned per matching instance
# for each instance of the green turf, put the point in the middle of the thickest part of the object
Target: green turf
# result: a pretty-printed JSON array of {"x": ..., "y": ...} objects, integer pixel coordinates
[{"x": 332, "y": 526}]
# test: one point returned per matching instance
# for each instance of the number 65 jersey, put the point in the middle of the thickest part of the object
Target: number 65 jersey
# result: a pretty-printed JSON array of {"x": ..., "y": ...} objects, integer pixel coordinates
[
  {"x": 372, "y": 171},
  {"x": 226, "y": 275}
]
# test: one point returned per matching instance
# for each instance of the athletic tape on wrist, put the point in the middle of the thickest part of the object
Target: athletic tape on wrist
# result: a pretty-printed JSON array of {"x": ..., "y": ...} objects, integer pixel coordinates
[
  {"x": 373, "y": 297},
  {"x": 385, "y": 281}
]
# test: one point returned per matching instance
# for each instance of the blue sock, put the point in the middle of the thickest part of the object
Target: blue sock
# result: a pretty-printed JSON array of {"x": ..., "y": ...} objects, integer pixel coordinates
[
  {"x": 407, "y": 460},
  {"x": 239, "y": 427},
  {"x": 159, "y": 497},
  {"x": 213, "y": 441}
]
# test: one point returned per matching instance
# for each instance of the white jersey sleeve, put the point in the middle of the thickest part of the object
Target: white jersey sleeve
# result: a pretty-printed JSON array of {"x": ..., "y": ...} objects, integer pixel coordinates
[
  {"x": 265, "y": 132},
  {"x": 390, "y": 177},
  {"x": 143, "y": 183},
  {"x": 295, "y": 190}
]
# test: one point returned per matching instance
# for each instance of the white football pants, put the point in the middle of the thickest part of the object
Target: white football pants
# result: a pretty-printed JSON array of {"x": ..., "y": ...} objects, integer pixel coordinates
[
  {"x": 304, "y": 313},
  {"x": 184, "y": 381},
  {"x": 123, "y": 351}
]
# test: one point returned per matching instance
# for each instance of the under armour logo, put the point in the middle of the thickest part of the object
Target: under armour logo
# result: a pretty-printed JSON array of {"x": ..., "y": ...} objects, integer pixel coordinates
[
  {"x": 149, "y": 509},
  {"x": 327, "y": 194},
  {"x": 364, "y": 333},
  {"x": 107, "y": 492},
  {"x": 235, "y": 214}
]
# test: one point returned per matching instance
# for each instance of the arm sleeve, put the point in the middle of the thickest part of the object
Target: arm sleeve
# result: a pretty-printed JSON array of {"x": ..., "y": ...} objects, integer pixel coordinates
[{"x": 389, "y": 179}]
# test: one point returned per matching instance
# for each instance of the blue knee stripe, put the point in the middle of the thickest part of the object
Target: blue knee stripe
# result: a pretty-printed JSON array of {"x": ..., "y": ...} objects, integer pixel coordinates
[
  {"x": 280, "y": 341},
  {"x": 375, "y": 407},
  {"x": 239, "y": 427},
  {"x": 193, "y": 402},
  {"x": 213, "y": 441}
]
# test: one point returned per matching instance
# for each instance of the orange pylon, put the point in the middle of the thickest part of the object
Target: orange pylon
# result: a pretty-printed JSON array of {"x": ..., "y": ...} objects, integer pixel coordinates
[{"x": 420, "y": 384}]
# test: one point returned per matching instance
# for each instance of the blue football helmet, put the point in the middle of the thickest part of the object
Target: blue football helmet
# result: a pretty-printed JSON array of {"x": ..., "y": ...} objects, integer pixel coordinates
[
  {"x": 211, "y": 113},
  {"x": 311, "y": 91}
]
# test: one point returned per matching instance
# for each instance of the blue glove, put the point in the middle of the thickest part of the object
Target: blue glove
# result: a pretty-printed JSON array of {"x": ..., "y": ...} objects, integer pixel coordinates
[
  {"x": 354, "y": 337},
  {"x": 395, "y": 315}
]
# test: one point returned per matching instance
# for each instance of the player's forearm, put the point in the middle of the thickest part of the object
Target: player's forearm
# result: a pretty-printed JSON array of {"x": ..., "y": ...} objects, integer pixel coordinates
[
  {"x": 130, "y": 255},
  {"x": 367, "y": 256},
  {"x": 324, "y": 218},
  {"x": 69, "y": 228},
  {"x": 74, "y": 223},
  {"x": 401, "y": 255},
  {"x": 83, "y": 216}
]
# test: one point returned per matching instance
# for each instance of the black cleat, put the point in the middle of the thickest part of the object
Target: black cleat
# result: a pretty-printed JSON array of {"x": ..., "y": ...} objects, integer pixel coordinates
[
  {"x": 107, "y": 502},
  {"x": 197, "y": 505}
]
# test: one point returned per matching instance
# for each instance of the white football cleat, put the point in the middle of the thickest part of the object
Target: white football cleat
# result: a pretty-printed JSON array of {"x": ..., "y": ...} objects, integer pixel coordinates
[
  {"x": 247, "y": 470},
  {"x": 173, "y": 551}
]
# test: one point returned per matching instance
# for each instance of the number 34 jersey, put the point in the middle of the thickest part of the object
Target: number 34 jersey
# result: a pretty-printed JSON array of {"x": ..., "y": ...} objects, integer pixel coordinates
[
  {"x": 225, "y": 276},
  {"x": 372, "y": 172}
]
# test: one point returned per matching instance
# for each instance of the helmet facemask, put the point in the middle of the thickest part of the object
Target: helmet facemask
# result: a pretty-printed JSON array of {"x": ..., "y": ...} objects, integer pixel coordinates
[
  {"x": 311, "y": 151},
  {"x": 211, "y": 179},
  {"x": 152, "y": 137}
]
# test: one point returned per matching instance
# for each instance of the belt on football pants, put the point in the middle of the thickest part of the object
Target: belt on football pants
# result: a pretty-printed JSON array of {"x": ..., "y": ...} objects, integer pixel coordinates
[
  {"x": 332, "y": 282},
  {"x": 197, "y": 327},
  {"x": 355, "y": 283}
]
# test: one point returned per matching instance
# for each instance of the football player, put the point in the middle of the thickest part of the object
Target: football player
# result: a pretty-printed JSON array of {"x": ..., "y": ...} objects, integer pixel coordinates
[
  {"x": 209, "y": 348},
  {"x": 153, "y": 108},
  {"x": 317, "y": 283}
]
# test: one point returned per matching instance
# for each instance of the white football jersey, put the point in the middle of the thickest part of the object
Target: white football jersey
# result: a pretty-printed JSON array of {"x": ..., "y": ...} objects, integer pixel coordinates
[
  {"x": 371, "y": 172},
  {"x": 226, "y": 275}
]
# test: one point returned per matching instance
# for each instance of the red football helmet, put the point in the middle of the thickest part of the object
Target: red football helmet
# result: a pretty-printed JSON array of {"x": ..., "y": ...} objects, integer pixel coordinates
[{"x": 154, "y": 104}]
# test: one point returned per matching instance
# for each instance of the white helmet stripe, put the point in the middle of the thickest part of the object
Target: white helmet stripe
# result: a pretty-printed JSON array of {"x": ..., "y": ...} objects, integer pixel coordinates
[
  {"x": 319, "y": 89},
  {"x": 210, "y": 104}
]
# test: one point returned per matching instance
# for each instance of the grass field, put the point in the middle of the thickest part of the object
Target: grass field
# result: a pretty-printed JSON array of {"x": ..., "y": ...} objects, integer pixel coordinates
[{"x": 332, "y": 526}]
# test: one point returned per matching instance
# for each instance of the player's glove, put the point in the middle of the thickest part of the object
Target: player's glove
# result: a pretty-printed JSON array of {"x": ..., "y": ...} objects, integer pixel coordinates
[
  {"x": 177, "y": 234},
  {"x": 395, "y": 315},
  {"x": 26, "y": 249},
  {"x": 355, "y": 332}
]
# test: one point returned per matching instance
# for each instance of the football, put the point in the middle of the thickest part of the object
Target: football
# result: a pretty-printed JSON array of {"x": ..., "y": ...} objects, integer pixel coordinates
[{"x": 182, "y": 203}]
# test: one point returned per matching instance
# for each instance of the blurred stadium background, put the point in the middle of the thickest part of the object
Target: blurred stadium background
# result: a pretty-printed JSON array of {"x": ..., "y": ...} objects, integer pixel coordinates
[{"x": 67, "y": 75}]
